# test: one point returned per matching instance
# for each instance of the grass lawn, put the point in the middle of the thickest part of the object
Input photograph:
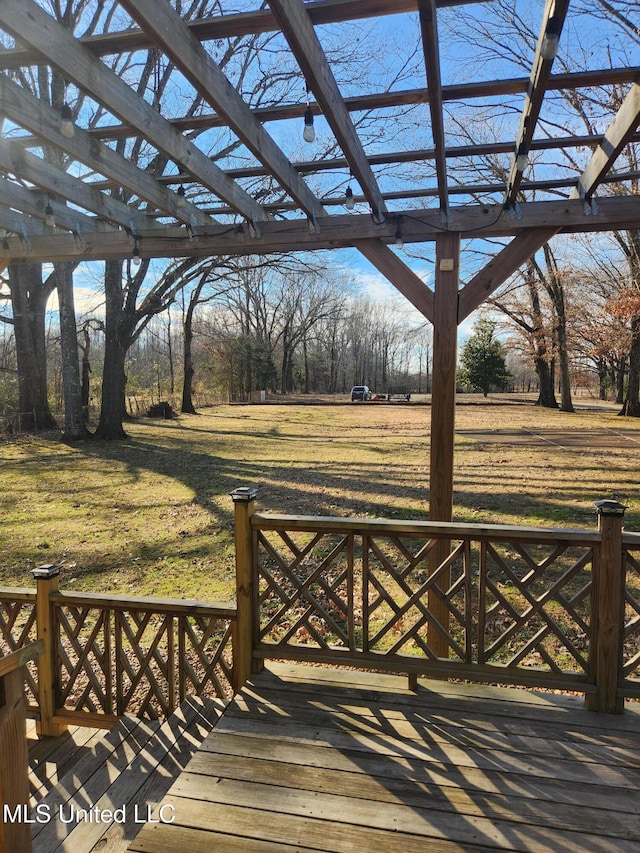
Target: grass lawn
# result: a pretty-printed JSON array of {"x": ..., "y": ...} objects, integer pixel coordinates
[{"x": 152, "y": 516}]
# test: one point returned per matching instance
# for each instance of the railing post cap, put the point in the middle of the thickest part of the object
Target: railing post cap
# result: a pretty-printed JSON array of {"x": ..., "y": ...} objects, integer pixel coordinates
[
  {"x": 243, "y": 494},
  {"x": 610, "y": 507},
  {"x": 45, "y": 572}
]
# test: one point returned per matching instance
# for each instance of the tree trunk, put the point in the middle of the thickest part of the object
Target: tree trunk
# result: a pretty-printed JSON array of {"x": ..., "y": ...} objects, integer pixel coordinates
[
  {"x": 189, "y": 370},
  {"x": 631, "y": 406},
  {"x": 619, "y": 377},
  {"x": 29, "y": 295},
  {"x": 114, "y": 380},
  {"x": 74, "y": 421}
]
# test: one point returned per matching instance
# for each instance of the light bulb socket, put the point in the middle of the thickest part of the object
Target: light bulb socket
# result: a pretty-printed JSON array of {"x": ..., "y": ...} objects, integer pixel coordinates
[
  {"x": 399, "y": 240},
  {"x": 135, "y": 255}
]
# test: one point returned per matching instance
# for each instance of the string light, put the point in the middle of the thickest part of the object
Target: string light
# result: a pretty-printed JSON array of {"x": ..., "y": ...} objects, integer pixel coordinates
[
  {"x": 182, "y": 201},
  {"x": 551, "y": 40},
  {"x": 49, "y": 216},
  {"x": 522, "y": 158},
  {"x": 399, "y": 240},
  {"x": 136, "y": 255},
  {"x": 349, "y": 201},
  {"x": 309, "y": 133},
  {"x": 66, "y": 121}
]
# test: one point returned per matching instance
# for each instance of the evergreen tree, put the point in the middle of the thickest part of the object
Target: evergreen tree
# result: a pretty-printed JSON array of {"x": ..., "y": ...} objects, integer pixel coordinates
[{"x": 483, "y": 361}]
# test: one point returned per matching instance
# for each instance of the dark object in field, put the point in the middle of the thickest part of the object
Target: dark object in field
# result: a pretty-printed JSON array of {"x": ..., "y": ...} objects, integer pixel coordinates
[{"x": 161, "y": 410}]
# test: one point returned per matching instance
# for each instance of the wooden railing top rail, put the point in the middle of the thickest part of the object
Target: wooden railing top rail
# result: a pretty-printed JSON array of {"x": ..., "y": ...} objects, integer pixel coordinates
[
  {"x": 14, "y": 593},
  {"x": 189, "y": 607},
  {"x": 629, "y": 538},
  {"x": 9, "y": 663},
  {"x": 453, "y": 530}
]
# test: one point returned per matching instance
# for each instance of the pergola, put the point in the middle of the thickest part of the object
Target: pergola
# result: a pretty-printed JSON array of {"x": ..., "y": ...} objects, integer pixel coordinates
[{"x": 50, "y": 214}]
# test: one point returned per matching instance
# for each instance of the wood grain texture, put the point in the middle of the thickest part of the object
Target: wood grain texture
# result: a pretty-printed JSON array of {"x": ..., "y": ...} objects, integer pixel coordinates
[{"x": 331, "y": 760}]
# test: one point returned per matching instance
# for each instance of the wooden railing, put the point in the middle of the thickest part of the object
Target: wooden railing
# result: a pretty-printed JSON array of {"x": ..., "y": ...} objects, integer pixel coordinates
[
  {"x": 545, "y": 608},
  {"x": 108, "y": 655},
  {"x": 538, "y": 607}
]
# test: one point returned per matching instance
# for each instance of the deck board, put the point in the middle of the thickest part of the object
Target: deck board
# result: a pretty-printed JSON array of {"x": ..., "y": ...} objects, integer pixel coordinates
[{"x": 314, "y": 759}]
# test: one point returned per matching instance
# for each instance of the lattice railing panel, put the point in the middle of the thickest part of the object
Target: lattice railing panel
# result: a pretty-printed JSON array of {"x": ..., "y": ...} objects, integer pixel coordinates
[
  {"x": 535, "y": 606},
  {"x": 18, "y": 629},
  {"x": 145, "y": 663},
  {"x": 205, "y": 656},
  {"x": 399, "y": 584},
  {"x": 114, "y": 660},
  {"x": 305, "y": 589},
  {"x": 631, "y": 639},
  {"x": 86, "y": 663}
]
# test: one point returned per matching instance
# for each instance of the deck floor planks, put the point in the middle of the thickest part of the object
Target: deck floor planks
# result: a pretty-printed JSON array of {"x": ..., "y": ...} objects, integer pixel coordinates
[{"x": 346, "y": 761}]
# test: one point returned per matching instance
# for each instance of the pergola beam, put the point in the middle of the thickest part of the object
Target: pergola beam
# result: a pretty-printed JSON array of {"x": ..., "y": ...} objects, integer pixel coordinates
[
  {"x": 231, "y": 26},
  {"x": 555, "y": 11},
  {"x": 298, "y": 30},
  {"x": 60, "y": 184},
  {"x": 187, "y": 54},
  {"x": 398, "y": 98},
  {"x": 24, "y": 109},
  {"x": 34, "y": 27},
  {"x": 398, "y": 273},
  {"x": 342, "y": 231},
  {"x": 618, "y": 134},
  {"x": 431, "y": 50}
]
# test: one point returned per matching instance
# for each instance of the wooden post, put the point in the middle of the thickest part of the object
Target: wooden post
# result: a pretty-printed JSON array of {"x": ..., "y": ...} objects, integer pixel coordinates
[
  {"x": 243, "y": 638},
  {"x": 14, "y": 770},
  {"x": 15, "y": 831},
  {"x": 607, "y": 610},
  {"x": 47, "y": 580},
  {"x": 443, "y": 401}
]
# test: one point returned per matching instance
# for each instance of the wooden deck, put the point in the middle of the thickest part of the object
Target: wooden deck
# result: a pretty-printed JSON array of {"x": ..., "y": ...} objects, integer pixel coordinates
[{"x": 313, "y": 759}]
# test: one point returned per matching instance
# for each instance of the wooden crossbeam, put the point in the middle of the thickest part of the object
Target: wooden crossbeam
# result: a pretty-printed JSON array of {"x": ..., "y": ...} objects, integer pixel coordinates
[
  {"x": 399, "y": 274},
  {"x": 232, "y": 26},
  {"x": 536, "y": 90},
  {"x": 29, "y": 23},
  {"x": 32, "y": 203},
  {"x": 431, "y": 50},
  {"x": 297, "y": 26},
  {"x": 418, "y": 226},
  {"x": 57, "y": 182},
  {"x": 500, "y": 267},
  {"x": 618, "y": 134},
  {"x": 399, "y": 98},
  {"x": 33, "y": 114},
  {"x": 172, "y": 35}
]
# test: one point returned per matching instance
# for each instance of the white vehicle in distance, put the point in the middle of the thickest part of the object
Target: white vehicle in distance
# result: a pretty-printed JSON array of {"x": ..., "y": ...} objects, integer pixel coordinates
[{"x": 360, "y": 392}]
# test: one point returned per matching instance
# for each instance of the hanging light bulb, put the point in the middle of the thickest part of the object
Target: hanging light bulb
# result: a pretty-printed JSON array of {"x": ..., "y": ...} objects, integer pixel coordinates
[
  {"x": 49, "y": 217},
  {"x": 136, "y": 255},
  {"x": 349, "y": 201},
  {"x": 308, "y": 134},
  {"x": 551, "y": 40},
  {"x": 399, "y": 240},
  {"x": 522, "y": 158},
  {"x": 182, "y": 201},
  {"x": 66, "y": 121}
]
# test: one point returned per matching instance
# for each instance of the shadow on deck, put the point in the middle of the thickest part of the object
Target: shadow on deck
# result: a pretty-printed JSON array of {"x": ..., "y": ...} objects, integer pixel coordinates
[{"x": 316, "y": 759}]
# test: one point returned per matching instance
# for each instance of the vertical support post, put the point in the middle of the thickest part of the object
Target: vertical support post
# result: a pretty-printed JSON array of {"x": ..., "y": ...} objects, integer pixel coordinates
[
  {"x": 607, "y": 610},
  {"x": 47, "y": 580},
  {"x": 243, "y": 638},
  {"x": 14, "y": 766},
  {"x": 443, "y": 401}
]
